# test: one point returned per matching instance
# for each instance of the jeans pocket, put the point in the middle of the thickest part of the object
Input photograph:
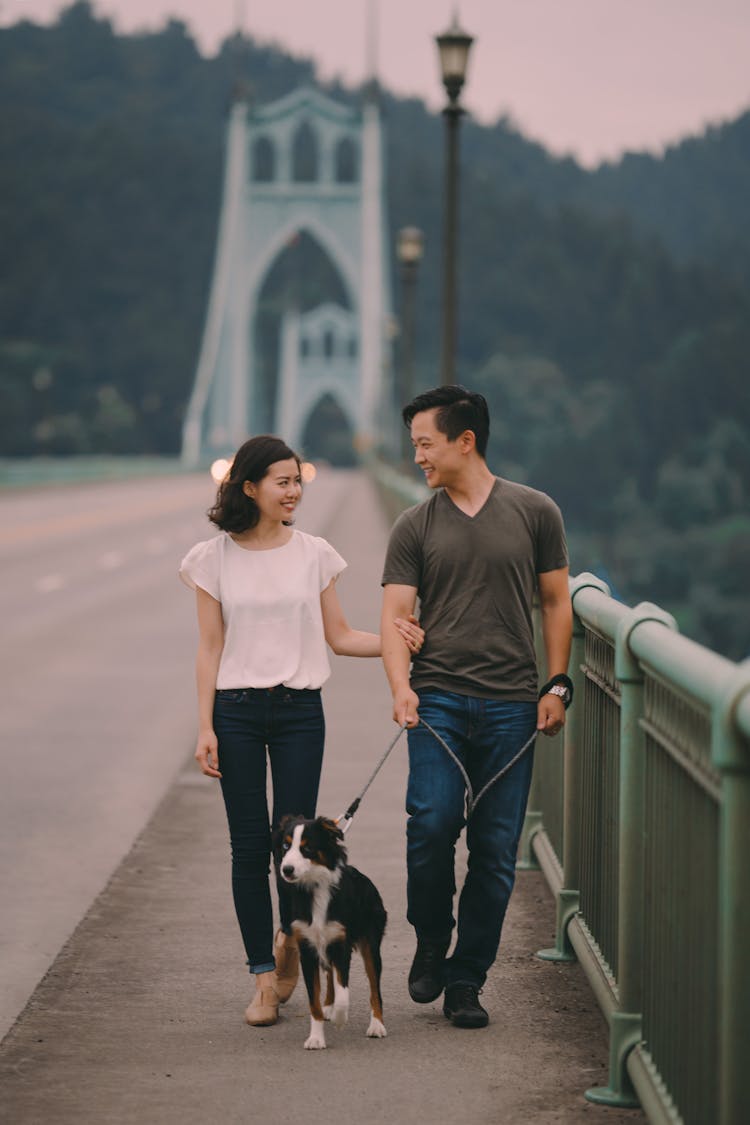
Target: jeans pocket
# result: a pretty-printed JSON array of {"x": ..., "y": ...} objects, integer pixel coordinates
[
  {"x": 302, "y": 700},
  {"x": 229, "y": 696}
]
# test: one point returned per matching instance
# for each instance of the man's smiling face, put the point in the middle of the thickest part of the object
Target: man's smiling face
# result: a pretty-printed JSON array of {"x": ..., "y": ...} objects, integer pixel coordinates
[{"x": 439, "y": 459}]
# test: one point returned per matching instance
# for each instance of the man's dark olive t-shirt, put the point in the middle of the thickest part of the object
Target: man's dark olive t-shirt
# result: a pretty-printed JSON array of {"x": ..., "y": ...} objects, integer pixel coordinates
[{"x": 476, "y": 576}]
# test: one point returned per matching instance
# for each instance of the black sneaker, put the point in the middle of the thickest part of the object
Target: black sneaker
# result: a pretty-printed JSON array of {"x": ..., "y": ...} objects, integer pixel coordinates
[
  {"x": 461, "y": 1006},
  {"x": 426, "y": 973}
]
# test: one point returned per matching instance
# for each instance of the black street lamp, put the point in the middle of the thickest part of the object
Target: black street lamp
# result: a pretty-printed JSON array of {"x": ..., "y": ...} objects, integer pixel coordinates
[
  {"x": 409, "y": 250},
  {"x": 453, "y": 46}
]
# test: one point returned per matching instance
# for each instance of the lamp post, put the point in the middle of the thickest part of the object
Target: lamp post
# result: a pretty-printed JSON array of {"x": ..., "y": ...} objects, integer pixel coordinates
[
  {"x": 409, "y": 250},
  {"x": 453, "y": 48}
]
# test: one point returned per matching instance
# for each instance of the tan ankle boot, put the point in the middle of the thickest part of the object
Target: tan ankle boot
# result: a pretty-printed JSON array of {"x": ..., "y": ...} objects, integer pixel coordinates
[
  {"x": 263, "y": 1009},
  {"x": 286, "y": 956}
]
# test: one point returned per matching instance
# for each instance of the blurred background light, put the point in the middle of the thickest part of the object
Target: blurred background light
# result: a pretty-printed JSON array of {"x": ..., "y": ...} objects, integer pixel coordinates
[{"x": 220, "y": 469}]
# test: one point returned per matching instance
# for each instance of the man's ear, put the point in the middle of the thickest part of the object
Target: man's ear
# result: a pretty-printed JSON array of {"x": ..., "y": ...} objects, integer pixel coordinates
[{"x": 467, "y": 441}]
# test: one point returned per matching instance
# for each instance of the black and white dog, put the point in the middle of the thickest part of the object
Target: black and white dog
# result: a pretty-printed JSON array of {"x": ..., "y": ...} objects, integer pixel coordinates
[{"x": 335, "y": 909}]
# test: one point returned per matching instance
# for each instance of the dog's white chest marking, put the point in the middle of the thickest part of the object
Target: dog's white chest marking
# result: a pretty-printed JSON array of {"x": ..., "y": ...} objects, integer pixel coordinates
[{"x": 321, "y": 931}]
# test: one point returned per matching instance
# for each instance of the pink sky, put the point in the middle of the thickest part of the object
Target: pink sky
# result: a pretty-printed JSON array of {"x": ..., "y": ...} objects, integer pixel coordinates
[{"x": 590, "y": 77}]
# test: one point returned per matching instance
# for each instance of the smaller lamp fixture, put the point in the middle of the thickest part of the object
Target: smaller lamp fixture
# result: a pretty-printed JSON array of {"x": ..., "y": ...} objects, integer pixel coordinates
[
  {"x": 453, "y": 46},
  {"x": 410, "y": 245}
]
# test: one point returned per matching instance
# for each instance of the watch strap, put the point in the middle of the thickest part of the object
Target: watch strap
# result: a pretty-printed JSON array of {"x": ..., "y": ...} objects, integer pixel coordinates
[{"x": 564, "y": 681}]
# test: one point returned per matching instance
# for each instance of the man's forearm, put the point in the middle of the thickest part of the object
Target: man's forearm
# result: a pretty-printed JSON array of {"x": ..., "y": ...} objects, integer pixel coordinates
[
  {"x": 396, "y": 659},
  {"x": 557, "y": 627},
  {"x": 398, "y": 602}
]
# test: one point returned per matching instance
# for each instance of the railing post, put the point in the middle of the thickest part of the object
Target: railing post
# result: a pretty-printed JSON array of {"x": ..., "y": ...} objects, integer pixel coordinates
[
  {"x": 533, "y": 817},
  {"x": 731, "y": 755},
  {"x": 568, "y": 897},
  {"x": 625, "y": 1022},
  {"x": 532, "y": 823}
]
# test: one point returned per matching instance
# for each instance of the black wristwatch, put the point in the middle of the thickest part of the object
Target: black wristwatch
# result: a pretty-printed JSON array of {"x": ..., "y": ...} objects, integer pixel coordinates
[{"x": 561, "y": 686}]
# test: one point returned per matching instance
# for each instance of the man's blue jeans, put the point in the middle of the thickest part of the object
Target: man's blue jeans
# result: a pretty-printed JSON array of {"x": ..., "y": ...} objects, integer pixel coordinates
[
  {"x": 289, "y": 727},
  {"x": 484, "y": 734}
]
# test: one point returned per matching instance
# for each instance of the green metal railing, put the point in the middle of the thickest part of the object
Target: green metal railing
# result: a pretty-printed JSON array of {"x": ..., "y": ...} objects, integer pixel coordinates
[{"x": 651, "y": 873}]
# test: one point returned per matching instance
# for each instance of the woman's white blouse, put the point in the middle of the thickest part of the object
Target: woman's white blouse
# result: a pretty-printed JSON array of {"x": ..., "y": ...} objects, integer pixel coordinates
[{"x": 270, "y": 602}]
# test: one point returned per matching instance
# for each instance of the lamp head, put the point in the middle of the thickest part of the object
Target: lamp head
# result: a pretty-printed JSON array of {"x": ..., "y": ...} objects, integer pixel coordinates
[
  {"x": 410, "y": 246},
  {"x": 453, "y": 48}
]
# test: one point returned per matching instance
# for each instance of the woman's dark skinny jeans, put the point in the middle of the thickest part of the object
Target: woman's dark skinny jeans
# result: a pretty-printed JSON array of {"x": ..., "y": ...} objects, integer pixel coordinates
[{"x": 287, "y": 728}]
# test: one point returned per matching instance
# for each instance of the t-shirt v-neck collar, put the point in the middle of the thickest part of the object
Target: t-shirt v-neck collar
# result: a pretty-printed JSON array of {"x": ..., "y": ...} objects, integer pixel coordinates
[{"x": 478, "y": 513}]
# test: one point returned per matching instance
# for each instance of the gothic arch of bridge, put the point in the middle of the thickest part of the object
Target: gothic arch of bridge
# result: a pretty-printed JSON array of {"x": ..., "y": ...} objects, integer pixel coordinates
[{"x": 305, "y": 164}]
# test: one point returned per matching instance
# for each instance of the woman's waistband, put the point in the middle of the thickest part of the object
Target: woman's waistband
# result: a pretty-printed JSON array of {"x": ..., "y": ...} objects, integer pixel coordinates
[{"x": 260, "y": 692}]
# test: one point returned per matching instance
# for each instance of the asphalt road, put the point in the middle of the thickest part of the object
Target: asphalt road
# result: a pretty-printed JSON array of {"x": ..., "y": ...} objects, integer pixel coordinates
[{"x": 96, "y": 691}]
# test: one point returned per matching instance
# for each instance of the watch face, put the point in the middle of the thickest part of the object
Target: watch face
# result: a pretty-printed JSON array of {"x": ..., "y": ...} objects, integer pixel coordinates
[{"x": 559, "y": 689}]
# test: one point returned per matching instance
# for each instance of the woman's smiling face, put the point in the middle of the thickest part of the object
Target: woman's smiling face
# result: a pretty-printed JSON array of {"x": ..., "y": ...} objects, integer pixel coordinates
[{"x": 279, "y": 492}]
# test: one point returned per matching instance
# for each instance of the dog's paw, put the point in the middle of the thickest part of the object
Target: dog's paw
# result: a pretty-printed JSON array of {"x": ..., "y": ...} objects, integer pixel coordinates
[
  {"x": 327, "y": 1011},
  {"x": 339, "y": 1015},
  {"x": 316, "y": 1040},
  {"x": 376, "y": 1030}
]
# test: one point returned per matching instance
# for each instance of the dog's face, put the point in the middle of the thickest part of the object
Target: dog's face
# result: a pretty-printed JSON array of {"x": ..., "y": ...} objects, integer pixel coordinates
[{"x": 305, "y": 849}]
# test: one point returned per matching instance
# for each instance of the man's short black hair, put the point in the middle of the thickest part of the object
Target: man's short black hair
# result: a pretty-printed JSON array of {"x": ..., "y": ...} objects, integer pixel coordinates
[{"x": 456, "y": 410}]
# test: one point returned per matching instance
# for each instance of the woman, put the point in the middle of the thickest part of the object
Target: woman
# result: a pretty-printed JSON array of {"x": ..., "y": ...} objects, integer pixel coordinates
[{"x": 267, "y": 605}]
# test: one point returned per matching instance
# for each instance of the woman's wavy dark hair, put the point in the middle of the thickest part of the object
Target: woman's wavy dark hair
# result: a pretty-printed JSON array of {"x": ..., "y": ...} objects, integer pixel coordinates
[{"x": 233, "y": 510}]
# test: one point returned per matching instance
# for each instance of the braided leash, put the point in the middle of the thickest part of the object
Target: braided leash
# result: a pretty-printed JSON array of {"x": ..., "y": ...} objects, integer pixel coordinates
[
  {"x": 345, "y": 819},
  {"x": 471, "y": 800}
]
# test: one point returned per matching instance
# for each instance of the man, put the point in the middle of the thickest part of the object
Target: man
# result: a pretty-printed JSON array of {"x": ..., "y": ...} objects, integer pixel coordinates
[{"x": 474, "y": 552}]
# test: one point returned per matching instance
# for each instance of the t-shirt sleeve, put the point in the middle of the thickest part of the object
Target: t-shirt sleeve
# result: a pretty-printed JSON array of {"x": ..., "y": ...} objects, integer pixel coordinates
[
  {"x": 552, "y": 547},
  {"x": 330, "y": 563},
  {"x": 200, "y": 567},
  {"x": 403, "y": 559}
]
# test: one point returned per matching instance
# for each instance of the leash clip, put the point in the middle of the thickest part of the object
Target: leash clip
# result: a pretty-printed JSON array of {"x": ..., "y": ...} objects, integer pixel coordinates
[{"x": 346, "y": 818}]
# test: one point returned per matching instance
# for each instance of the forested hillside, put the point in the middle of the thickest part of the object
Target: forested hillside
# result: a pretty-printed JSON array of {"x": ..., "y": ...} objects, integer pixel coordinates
[{"x": 605, "y": 314}]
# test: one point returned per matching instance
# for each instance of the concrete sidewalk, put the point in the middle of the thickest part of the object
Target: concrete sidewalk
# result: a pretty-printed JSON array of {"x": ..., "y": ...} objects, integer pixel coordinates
[{"x": 140, "y": 1019}]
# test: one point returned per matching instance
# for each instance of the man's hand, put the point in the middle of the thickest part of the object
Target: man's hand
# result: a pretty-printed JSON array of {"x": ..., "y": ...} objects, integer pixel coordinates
[
  {"x": 550, "y": 715},
  {"x": 405, "y": 704}
]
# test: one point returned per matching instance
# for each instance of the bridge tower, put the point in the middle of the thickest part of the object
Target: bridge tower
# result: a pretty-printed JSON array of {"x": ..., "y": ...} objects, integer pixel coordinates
[{"x": 299, "y": 314}]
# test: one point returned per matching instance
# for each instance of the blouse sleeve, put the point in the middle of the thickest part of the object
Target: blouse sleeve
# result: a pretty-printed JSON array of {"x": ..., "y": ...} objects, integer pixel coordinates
[
  {"x": 200, "y": 567},
  {"x": 330, "y": 562}
]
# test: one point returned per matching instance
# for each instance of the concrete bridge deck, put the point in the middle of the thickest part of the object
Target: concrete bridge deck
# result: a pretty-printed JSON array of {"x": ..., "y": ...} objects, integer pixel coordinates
[{"x": 139, "y": 1020}]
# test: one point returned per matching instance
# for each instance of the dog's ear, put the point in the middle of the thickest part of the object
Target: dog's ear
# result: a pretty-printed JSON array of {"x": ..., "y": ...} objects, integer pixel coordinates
[
  {"x": 281, "y": 832},
  {"x": 331, "y": 827}
]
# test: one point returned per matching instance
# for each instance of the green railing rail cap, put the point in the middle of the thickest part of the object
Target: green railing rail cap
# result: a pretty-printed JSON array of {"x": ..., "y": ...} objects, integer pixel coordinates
[{"x": 627, "y": 666}]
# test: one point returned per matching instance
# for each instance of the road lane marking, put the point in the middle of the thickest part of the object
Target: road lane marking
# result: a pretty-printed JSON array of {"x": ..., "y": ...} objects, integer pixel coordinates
[
  {"x": 133, "y": 512},
  {"x": 49, "y": 583},
  {"x": 110, "y": 560}
]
